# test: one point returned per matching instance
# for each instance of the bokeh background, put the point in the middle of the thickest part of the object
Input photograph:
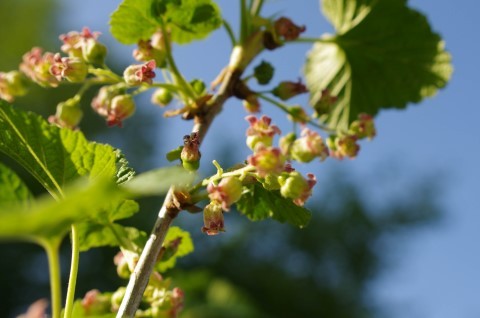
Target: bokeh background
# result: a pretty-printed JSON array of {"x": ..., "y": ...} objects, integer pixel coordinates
[{"x": 394, "y": 233}]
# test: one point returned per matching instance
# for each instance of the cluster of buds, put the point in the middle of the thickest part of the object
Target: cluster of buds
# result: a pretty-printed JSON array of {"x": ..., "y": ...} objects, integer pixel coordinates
[
  {"x": 12, "y": 85},
  {"x": 36, "y": 65},
  {"x": 152, "y": 49},
  {"x": 112, "y": 103}
]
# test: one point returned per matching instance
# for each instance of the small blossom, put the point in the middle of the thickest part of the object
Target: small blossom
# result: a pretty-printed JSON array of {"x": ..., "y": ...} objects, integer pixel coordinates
[
  {"x": 37, "y": 67},
  {"x": 102, "y": 102},
  {"x": 74, "y": 41},
  {"x": 325, "y": 103},
  {"x": 344, "y": 146},
  {"x": 308, "y": 147},
  {"x": 311, "y": 181},
  {"x": 190, "y": 154},
  {"x": 294, "y": 186},
  {"x": 363, "y": 127},
  {"x": 251, "y": 104},
  {"x": 260, "y": 132},
  {"x": 227, "y": 192},
  {"x": 11, "y": 85},
  {"x": 122, "y": 107},
  {"x": 138, "y": 74},
  {"x": 146, "y": 52},
  {"x": 286, "y": 90},
  {"x": 68, "y": 113},
  {"x": 73, "y": 69},
  {"x": 284, "y": 27},
  {"x": 267, "y": 160},
  {"x": 213, "y": 219}
]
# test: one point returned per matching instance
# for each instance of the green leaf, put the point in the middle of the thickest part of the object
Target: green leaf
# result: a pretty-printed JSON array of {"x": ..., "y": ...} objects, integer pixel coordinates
[
  {"x": 185, "y": 247},
  {"x": 96, "y": 235},
  {"x": 50, "y": 219},
  {"x": 56, "y": 156},
  {"x": 12, "y": 189},
  {"x": 384, "y": 55},
  {"x": 263, "y": 72},
  {"x": 158, "y": 181},
  {"x": 258, "y": 204},
  {"x": 188, "y": 20},
  {"x": 132, "y": 21}
]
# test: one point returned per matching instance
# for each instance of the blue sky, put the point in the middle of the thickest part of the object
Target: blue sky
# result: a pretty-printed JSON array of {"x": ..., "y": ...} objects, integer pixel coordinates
[{"x": 436, "y": 272}]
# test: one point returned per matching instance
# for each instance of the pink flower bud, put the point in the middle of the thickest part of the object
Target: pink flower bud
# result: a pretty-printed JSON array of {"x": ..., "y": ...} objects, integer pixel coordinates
[
  {"x": 74, "y": 41},
  {"x": 37, "y": 67},
  {"x": 267, "y": 161},
  {"x": 284, "y": 27},
  {"x": 311, "y": 181},
  {"x": 122, "y": 107},
  {"x": 345, "y": 146},
  {"x": 227, "y": 192},
  {"x": 308, "y": 147},
  {"x": 101, "y": 103},
  {"x": 286, "y": 90},
  {"x": 213, "y": 219},
  {"x": 138, "y": 74},
  {"x": 190, "y": 154},
  {"x": 260, "y": 131},
  {"x": 11, "y": 85},
  {"x": 363, "y": 127},
  {"x": 146, "y": 52}
]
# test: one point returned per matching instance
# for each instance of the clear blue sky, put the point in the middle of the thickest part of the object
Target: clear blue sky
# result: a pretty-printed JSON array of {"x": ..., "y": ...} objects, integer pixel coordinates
[{"x": 436, "y": 273}]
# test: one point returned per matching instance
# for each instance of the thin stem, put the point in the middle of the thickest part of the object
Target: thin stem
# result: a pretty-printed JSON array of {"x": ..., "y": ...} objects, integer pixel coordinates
[
  {"x": 313, "y": 40},
  {"x": 55, "y": 278},
  {"x": 230, "y": 33},
  {"x": 256, "y": 7},
  {"x": 286, "y": 109},
  {"x": 244, "y": 21},
  {"x": 72, "y": 280},
  {"x": 187, "y": 89}
]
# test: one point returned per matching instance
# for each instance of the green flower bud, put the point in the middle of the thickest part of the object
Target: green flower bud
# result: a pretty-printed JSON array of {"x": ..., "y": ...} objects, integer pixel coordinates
[
  {"x": 213, "y": 219},
  {"x": 68, "y": 114},
  {"x": 162, "y": 97},
  {"x": 94, "y": 52},
  {"x": 122, "y": 107},
  {"x": 293, "y": 185},
  {"x": 77, "y": 70}
]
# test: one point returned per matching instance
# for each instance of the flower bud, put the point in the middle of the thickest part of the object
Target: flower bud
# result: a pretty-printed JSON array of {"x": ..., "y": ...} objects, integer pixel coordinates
[
  {"x": 190, "y": 154},
  {"x": 138, "y": 74},
  {"x": 213, "y": 219},
  {"x": 267, "y": 161},
  {"x": 308, "y": 147},
  {"x": 94, "y": 52},
  {"x": 102, "y": 102},
  {"x": 37, "y": 67},
  {"x": 162, "y": 97},
  {"x": 73, "y": 69},
  {"x": 122, "y": 107},
  {"x": 146, "y": 52},
  {"x": 260, "y": 132},
  {"x": 12, "y": 84},
  {"x": 270, "y": 182},
  {"x": 251, "y": 104},
  {"x": 74, "y": 41},
  {"x": 286, "y": 90},
  {"x": 227, "y": 192},
  {"x": 68, "y": 114},
  {"x": 285, "y": 28},
  {"x": 363, "y": 127},
  {"x": 293, "y": 185},
  {"x": 347, "y": 146},
  {"x": 95, "y": 303}
]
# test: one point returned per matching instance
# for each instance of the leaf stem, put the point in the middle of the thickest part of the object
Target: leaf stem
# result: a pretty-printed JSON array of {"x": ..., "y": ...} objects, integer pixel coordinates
[
  {"x": 230, "y": 33},
  {"x": 55, "y": 278},
  {"x": 72, "y": 280},
  {"x": 256, "y": 6},
  {"x": 244, "y": 21}
]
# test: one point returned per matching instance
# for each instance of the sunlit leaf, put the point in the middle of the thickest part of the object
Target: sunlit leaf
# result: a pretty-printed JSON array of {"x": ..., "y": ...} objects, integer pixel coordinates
[
  {"x": 259, "y": 204},
  {"x": 384, "y": 55},
  {"x": 12, "y": 189}
]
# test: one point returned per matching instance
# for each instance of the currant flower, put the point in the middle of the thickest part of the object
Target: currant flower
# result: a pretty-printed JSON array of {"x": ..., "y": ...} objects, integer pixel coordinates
[
  {"x": 260, "y": 132},
  {"x": 145, "y": 52},
  {"x": 11, "y": 85},
  {"x": 122, "y": 107},
  {"x": 227, "y": 192},
  {"x": 363, "y": 127},
  {"x": 73, "y": 69},
  {"x": 36, "y": 66},
  {"x": 267, "y": 160},
  {"x": 141, "y": 73},
  {"x": 190, "y": 154},
  {"x": 73, "y": 41},
  {"x": 343, "y": 146},
  {"x": 286, "y": 90},
  {"x": 102, "y": 102},
  {"x": 213, "y": 219},
  {"x": 68, "y": 113},
  {"x": 308, "y": 147}
]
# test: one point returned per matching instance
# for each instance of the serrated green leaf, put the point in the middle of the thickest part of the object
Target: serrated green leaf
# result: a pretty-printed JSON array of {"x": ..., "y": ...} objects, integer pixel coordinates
[
  {"x": 258, "y": 204},
  {"x": 185, "y": 247},
  {"x": 158, "y": 181},
  {"x": 188, "y": 20},
  {"x": 49, "y": 219},
  {"x": 13, "y": 191},
  {"x": 384, "y": 55},
  {"x": 54, "y": 156},
  {"x": 132, "y": 21}
]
